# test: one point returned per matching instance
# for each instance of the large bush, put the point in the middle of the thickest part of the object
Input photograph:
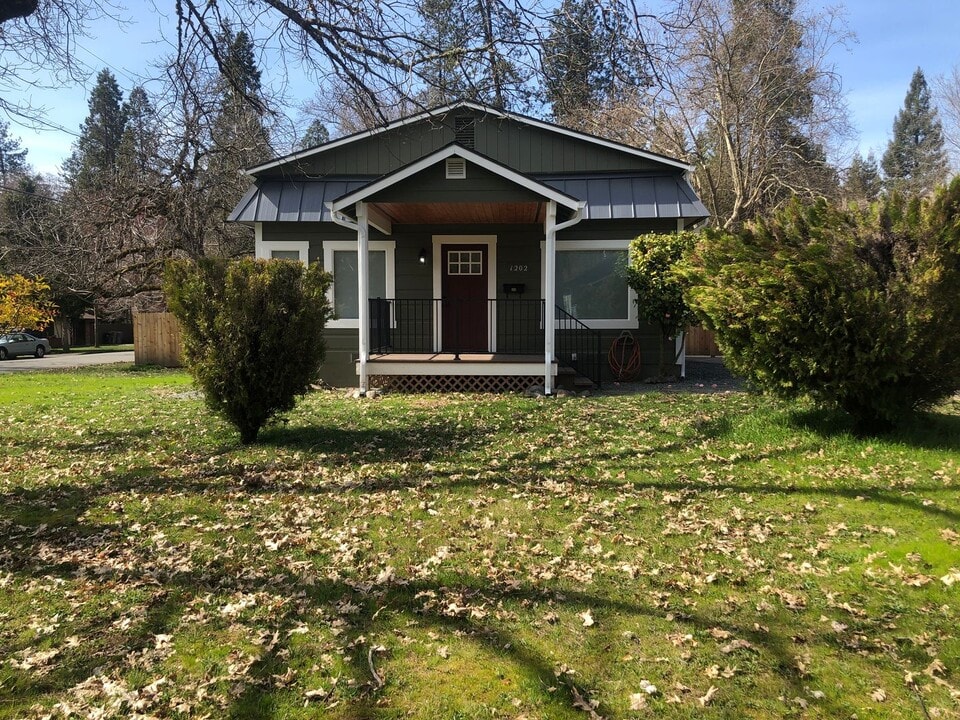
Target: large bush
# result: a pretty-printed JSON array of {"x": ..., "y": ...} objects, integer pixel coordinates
[
  {"x": 856, "y": 308},
  {"x": 252, "y": 333}
]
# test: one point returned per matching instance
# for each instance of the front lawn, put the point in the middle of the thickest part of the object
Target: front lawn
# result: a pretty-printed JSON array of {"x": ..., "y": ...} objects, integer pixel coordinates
[{"x": 658, "y": 555}]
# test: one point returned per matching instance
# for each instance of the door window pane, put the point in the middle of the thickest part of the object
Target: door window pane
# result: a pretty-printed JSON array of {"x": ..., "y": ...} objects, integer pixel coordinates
[
  {"x": 592, "y": 285},
  {"x": 465, "y": 262},
  {"x": 345, "y": 280}
]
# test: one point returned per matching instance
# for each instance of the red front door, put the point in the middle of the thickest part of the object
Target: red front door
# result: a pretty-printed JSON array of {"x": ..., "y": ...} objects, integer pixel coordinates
[{"x": 464, "y": 293}]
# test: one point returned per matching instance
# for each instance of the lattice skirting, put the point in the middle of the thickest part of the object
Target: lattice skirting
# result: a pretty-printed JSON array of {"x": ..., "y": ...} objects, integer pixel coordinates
[{"x": 455, "y": 383}]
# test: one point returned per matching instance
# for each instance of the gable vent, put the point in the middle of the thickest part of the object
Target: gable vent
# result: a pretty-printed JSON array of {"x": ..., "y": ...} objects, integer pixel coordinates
[
  {"x": 456, "y": 168},
  {"x": 463, "y": 130}
]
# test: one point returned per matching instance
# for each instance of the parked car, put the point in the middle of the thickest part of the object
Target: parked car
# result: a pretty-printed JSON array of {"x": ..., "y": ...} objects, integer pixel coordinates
[{"x": 13, "y": 344}]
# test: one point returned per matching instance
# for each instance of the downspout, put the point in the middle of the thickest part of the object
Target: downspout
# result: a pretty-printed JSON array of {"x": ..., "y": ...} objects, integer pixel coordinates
[
  {"x": 362, "y": 229},
  {"x": 551, "y": 228}
]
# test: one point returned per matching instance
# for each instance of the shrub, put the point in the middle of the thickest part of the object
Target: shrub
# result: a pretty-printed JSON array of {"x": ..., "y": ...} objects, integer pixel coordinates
[
  {"x": 650, "y": 272},
  {"x": 856, "y": 308},
  {"x": 252, "y": 333}
]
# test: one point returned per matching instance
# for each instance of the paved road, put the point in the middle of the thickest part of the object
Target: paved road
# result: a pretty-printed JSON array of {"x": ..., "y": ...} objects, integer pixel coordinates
[{"x": 61, "y": 361}]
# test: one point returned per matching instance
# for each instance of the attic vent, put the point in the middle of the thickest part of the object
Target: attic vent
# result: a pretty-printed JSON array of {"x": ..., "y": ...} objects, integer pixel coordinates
[
  {"x": 463, "y": 128},
  {"x": 456, "y": 168}
]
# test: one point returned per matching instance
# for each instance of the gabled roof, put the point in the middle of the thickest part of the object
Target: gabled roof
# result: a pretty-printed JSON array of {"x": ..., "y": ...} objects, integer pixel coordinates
[
  {"x": 545, "y": 191},
  {"x": 435, "y": 112}
]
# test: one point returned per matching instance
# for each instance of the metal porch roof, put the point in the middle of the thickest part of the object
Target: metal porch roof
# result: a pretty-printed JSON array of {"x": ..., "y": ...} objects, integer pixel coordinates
[
  {"x": 292, "y": 200},
  {"x": 607, "y": 198},
  {"x": 632, "y": 197}
]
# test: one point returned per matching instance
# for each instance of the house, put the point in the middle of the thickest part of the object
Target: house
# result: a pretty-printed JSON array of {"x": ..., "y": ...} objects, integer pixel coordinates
[{"x": 471, "y": 248}]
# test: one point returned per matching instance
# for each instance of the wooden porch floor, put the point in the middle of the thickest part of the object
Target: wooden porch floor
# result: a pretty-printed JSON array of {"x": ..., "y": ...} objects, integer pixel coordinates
[{"x": 445, "y": 363}]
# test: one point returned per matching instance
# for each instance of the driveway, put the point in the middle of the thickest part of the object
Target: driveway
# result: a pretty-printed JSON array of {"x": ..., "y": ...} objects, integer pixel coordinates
[{"x": 63, "y": 361}]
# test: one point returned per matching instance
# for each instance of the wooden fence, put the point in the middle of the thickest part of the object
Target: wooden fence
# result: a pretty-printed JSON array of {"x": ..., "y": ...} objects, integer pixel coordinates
[
  {"x": 701, "y": 342},
  {"x": 156, "y": 339}
]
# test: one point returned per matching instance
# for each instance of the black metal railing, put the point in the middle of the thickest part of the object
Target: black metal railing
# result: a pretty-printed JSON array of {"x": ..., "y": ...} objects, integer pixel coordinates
[
  {"x": 578, "y": 346},
  {"x": 461, "y": 325},
  {"x": 464, "y": 325}
]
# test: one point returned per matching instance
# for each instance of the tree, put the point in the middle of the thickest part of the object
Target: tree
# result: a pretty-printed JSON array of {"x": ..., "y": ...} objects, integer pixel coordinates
[
  {"x": 651, "y": 274},
  {"x": 589, "y": 63},
  {"x": 948, "y": 101},
  {"x": 13, "y": 157},
  {"x": 93, "y": 163},
  {"x": 857, "y": 308},
  {"x": 915, "y": 160},
  {"x": 252, "y": 333},
  {"x": 37, "y": 49},
  {"x": 863, "y": 182},
  {"x": 749, "y": 97},
  {"x": 239, "y": 139},
  {"x": 137, "y": 156},
  {"x": 24, "y": 303},
  {"x": 316, "y": 134}
]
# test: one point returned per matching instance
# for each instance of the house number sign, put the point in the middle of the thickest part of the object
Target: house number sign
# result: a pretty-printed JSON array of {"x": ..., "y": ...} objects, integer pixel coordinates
[{"x": 519, "y": 268}]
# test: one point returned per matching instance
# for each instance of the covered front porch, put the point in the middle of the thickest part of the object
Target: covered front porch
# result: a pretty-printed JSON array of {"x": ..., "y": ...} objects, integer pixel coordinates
[
  {"x": 490, "y": 345},
  {"x": 469, "y": 323}
]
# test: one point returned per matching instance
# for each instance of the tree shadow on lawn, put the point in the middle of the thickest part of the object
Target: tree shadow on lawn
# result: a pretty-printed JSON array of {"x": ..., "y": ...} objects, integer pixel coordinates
[
  {"x": 383, "y": 612},
  {"x": 922, "y": 430}
]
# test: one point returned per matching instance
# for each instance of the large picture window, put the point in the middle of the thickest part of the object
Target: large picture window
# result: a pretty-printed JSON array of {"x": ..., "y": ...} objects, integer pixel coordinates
[
  {"x": 592, "y": 285},
  {"x": 340, "y": 258}
]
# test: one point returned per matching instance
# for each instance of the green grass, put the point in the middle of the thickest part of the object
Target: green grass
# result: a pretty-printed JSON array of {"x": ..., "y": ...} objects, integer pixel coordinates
[
  {"x": 88, "y": 349},
  {"x": 443, "y": 556}
]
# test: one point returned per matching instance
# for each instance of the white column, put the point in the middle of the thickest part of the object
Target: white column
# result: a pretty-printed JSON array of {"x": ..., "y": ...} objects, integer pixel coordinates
[
  {"x": 363, "y": 290},
  {"x": 550, "y": 293}
]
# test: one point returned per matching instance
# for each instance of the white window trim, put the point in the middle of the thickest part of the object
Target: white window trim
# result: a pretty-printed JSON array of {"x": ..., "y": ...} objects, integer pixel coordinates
[
  {"x": 491, "y": 242},
  {"x": 595, "y": 323},
  {"x": 332, "y": 246},
  {"x": 263, "y": 249}
]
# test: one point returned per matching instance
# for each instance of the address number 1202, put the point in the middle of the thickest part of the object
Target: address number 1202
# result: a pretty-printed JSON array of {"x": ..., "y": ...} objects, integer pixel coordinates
[{"x": 519, "y": 268}]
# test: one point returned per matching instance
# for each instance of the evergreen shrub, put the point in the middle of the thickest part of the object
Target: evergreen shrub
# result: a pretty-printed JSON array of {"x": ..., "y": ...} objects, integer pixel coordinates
[
  {"x": 252, "y": 333},
  {"x": 858, "y": 309}
]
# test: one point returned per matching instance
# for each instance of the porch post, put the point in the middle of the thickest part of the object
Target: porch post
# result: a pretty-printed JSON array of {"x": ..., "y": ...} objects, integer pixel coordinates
[
  {"x": 550, "y": 295},
  {"x": 363, "y": 290}
]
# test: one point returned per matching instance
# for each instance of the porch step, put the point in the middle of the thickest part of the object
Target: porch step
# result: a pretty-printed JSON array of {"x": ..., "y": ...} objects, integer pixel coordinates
[{"x": 569, "y": 378}]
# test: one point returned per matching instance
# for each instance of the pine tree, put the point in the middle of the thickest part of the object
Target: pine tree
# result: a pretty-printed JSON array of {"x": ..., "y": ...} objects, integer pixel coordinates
[
  {"x": 13, "y": 158},
  {"x": 573, "y": 72},
  {"x": 586, "y": 62},
  {"x": 139, "y": 145},
  {"x": 93, "y": 162},
  {"x": 915, "y": 160},
  {"x": 863, "y": 182},
  {"x": 316, "y": 134},
  {"x": 239, "y": 140},
  {"x": 468, "y": 52}
]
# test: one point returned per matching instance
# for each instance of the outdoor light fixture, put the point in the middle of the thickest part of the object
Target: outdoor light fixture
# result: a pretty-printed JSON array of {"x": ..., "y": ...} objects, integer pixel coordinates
[{"x": 423, "y": 256}]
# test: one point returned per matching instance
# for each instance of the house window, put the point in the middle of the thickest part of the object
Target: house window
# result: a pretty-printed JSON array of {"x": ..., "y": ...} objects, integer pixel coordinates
[
  {"x": 281, "y": 249},
  {"x": 340, "y": 257},
  {"x": 592, "y": 285}
]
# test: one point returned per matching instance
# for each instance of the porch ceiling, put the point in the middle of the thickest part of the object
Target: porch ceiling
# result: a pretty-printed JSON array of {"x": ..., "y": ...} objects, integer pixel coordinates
[{"x": 463, "y": 213}]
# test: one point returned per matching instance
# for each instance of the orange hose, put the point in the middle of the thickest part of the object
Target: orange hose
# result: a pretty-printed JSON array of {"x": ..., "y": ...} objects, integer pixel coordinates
[{"x": 624, "y": 358}]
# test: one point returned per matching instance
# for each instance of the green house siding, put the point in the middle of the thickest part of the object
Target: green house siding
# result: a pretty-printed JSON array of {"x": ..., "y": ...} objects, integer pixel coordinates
[
  {"x": 518, "y": 263},
  {"x": 432, "y": 185},
  {"x": 525, "y": 148}
]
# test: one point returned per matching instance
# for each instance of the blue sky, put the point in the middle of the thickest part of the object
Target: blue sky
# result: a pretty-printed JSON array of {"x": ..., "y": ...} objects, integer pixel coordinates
[{"x": 893, "y": 38}]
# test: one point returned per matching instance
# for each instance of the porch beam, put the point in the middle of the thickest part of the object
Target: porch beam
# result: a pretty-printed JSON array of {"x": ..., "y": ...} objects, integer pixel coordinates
[{"x": 379, "y": 219}]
